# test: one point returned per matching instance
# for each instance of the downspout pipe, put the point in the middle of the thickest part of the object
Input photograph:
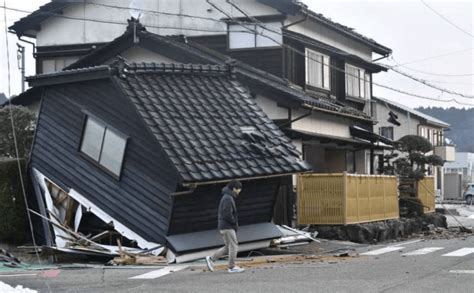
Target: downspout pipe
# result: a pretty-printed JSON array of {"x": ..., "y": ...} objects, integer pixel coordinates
[{"x": 28, "y": 42}]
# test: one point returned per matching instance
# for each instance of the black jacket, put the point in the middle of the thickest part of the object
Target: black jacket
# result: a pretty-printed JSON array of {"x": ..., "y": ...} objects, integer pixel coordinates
[{"x": 227, "y": 216}]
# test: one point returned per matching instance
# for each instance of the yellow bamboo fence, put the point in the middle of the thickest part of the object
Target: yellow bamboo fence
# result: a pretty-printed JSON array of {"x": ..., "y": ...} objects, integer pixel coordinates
[
  {"x": 427, "y": 194},
  {"x": 340, "y": 199}
]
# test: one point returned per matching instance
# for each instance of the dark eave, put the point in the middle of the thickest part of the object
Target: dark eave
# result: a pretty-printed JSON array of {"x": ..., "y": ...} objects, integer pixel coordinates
[
  {"x": 369, "y": 135},
  {"x": 293, "y": 7},
  {"x": 70, "y": 76},
  {"x": 26, "y": 98},
  {"x": 32, "y": 21},
  {"x": 333, "y": 51}
]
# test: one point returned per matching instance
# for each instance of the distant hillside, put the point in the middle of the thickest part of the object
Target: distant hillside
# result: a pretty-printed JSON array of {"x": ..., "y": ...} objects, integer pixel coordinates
[{"x": 462, "y": 125}]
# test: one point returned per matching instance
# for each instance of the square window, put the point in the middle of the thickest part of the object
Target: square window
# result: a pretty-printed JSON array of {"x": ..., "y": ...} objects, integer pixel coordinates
[
  {"x": 113, "y": 150},
  {"x": 387, "y": 132},
  {"x": 103, "y": 145},
  {"x": 92, "y": 138},
  {"x": 243, "y": 36}
]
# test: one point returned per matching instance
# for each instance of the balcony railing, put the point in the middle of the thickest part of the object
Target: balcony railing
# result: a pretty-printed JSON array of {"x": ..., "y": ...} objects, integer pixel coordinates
[{"x": 446, "y": 152}]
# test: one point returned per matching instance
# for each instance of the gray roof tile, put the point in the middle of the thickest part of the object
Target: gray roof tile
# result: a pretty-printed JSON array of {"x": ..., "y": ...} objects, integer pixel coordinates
[{"x": 197, "y": 120}]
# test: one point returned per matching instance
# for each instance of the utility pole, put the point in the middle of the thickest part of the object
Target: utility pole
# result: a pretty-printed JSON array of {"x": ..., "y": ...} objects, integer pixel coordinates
[{"x": 21, "y": 64}]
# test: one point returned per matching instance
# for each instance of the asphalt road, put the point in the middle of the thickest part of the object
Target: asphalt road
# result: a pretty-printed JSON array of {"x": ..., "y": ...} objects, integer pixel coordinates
[{"x": 414, "y": 266}]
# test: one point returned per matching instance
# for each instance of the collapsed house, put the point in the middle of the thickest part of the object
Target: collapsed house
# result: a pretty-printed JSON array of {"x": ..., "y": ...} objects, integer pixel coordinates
[{"x": 145, "y": 149}]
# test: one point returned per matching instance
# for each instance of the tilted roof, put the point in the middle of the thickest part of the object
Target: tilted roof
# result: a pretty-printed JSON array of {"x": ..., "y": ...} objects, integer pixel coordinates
[
  {"x": 204, "y": 119},
  {"x": 187, "y": 51}
]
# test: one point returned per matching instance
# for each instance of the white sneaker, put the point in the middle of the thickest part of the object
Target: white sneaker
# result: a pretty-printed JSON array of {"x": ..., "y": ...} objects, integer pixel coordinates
[
  {"x": 236, "y": 269},
  {"x": 210, "y": 263}
]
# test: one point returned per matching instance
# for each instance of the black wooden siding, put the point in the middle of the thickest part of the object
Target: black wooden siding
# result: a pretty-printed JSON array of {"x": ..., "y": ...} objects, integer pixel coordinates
[
  {"x": 267, "y": 59},
  {"x": 338, "y": 79},
  {"x": 141, "y": 199},
  {"x": 294, "y": 63},
  {"x": 198, "y": 211}
]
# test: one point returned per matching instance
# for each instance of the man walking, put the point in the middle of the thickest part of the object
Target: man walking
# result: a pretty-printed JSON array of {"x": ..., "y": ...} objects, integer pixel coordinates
[{"x": 228, "y": 224}]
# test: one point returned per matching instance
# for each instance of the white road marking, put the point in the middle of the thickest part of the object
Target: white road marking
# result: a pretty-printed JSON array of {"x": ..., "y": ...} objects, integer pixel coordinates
[
  {"x": 159, "y": 273},
  {"x": 383, "y": 250},
  {"x": 17, "y": 275},
  {"x": 423, "y": 251},
  {"x": 462, "y": 272},
  {"x": 460, "y": 252},
  {"x": 406, "y": 243}
]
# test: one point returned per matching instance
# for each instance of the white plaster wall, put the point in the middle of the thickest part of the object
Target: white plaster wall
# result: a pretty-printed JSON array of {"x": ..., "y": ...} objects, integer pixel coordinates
[
  {"x": 61, "y": 31},
  {"x": 323, "y": 34},
  {"x": 322, "y": 123},
  {"x": 409, "y": 122},
  {"x": 138, "y": 54},
  {"x": 271, "y": 108}
]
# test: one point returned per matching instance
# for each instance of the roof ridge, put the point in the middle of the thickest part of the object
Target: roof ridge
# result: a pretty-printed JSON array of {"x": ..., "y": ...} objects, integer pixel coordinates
[{"x": 155, "y": 67}]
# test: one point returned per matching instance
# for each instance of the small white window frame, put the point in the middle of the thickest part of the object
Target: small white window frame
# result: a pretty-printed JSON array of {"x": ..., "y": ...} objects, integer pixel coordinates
[
  {"x": 315, "y": 58},
  {"x": 363, "y": 81},
  {"x": 95, "y": 161}
]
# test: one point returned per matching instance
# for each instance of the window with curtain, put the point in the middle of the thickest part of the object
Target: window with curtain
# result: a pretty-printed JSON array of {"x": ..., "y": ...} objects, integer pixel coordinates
[
  {"x": 317, "y": 70},
  {"x": 387, "y": 132},
  {"x": 357, "y": 82}
]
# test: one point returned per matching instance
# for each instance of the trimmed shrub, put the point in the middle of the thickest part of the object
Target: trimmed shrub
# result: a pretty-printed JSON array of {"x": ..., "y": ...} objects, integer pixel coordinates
[{"x": 13, "y": 217}]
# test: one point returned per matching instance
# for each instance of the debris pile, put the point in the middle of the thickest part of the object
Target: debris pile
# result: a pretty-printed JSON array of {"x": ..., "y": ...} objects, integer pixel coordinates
[
  {"x": 293, "y": 237},
  {"x": 382, "y": 231},
  {"x": 127, "y": 258},
  {"x": 81, "y": 229},
  {"x": 435, "y": 233},
  {"x": 8, "y": 260}
]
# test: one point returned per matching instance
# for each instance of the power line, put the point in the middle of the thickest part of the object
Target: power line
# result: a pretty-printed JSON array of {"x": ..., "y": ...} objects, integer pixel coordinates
[
  {"x": 15, "y": 142},
  {"x": 52, "y": 14},
  {"x": 447, "y": 19},
  {"x": 444, "y": 90},
  {"x": 435, "y": 57},
  {"x": 153, "y": 11},
  {"x": 262, "y": 25},
  {"x": 247, "y": 30},
  {"x": 431, "y": 73}
]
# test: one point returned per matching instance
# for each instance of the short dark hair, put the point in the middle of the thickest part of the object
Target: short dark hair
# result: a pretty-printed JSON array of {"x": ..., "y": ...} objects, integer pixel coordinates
[{"x": 234, "y": 184}]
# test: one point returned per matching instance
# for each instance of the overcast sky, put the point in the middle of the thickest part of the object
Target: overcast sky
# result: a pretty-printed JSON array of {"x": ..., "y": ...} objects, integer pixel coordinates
[{"x": 408, "y": 27}]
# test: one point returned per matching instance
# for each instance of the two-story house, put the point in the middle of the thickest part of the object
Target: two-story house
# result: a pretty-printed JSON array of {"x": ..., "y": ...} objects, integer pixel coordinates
[
  {"x": 396, "y": 120},
  {"x": 322, "y": 60}
]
